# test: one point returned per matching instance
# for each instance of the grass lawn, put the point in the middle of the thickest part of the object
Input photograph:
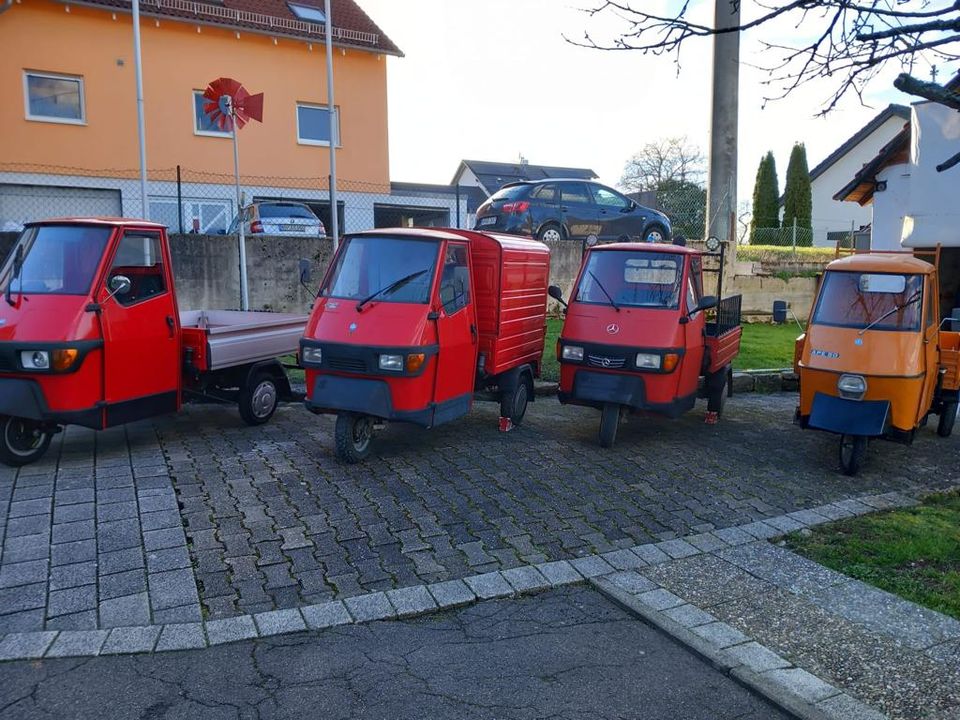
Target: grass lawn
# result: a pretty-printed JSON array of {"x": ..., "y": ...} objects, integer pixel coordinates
[
  {"x": 767, "y": 346},
  {"x": 913, "y": 553}
]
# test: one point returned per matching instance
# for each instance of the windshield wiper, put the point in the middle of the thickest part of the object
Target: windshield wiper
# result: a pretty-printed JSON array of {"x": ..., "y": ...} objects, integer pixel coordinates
[
  {"x": 14, "y": 274},
  {"x": 395, "y": 285},
  {"x": 891, "y": 311},
  {"x": 600, "y": 285}
]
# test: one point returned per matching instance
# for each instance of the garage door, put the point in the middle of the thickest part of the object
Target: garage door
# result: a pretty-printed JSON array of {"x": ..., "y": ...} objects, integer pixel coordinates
[{"x": 22, "y": 203}]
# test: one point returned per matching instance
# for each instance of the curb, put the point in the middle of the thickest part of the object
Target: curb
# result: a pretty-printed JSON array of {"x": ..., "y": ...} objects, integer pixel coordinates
[
  {"x": 418, "y": 600},
  {"x": 757, "y": 667},
  {"x": 744, "y": 381}
]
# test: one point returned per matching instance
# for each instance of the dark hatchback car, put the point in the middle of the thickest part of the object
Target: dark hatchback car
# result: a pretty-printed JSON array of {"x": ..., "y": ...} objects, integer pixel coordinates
[{"x": 570, "y": 209}]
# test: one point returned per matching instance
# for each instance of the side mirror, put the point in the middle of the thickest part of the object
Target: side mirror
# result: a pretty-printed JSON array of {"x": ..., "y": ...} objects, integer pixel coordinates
[
  {"x": 556, "y": 293},
  {"x": 119, "y": 285},
  {"x": 707, "y": 302}
]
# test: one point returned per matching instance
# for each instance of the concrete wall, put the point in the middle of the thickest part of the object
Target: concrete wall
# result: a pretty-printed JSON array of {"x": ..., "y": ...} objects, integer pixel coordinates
[
  {"x": 207, "y": 271},
  {"x": 759, "y": 293}
]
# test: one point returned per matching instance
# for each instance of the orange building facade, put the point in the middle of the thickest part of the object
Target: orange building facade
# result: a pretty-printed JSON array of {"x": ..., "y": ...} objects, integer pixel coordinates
[{"x": 69, "y": 127}]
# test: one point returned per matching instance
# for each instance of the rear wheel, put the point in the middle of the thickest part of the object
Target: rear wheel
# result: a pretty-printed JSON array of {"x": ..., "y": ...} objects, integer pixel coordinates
[
  {"x": 655, "y": 234},
  {"x": 609, "y": 423},
  {"x": 352, "y": 436},
  {"x": 550, "y": 232},
  {"x": 717, "y": 391},
  {"x": 853, "y": 448},
  {"x": 948, "y": 417},
  {"x": 513, "y": 404},
  {"x": 258, "y": 399},
  {"x": 22, "y": 441}
]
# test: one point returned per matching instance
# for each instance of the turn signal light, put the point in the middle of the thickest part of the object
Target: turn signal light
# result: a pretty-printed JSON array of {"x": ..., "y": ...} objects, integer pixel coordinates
[
  {"x": 64, "y": 359},
  {"x": 415, "y": 361},
  {"x": 670, "y": 361}
]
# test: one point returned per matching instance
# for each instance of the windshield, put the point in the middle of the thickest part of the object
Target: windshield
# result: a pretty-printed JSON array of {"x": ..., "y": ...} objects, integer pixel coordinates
[
  {"x": 57, "y": 259},
  {"x": 286, "y": 211},
  {"x": 367, "y": 265},
  {"x": 857, "y": 300},
  {"x": 631, "y": 279}
]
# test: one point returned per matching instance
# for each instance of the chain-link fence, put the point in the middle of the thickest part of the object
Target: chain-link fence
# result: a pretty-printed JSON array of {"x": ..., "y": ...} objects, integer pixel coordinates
[{"x": 188, "y": 200}]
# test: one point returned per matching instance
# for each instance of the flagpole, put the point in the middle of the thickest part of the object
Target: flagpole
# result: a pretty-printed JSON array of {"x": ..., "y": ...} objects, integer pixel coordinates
[{"x": 141, "y": 125}]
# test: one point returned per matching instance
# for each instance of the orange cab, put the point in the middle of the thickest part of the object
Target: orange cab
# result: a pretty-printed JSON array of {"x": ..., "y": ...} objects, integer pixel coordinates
[{"x": 874, "y": 361}]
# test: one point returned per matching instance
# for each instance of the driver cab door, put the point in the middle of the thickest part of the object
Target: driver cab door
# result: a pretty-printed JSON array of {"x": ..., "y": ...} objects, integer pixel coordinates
[
  {"x": 930, "y": 327},
  {"x": 456, "y": 335},
  {"x": 694, "y": 346},
  {"x": 140, "y": 329}
]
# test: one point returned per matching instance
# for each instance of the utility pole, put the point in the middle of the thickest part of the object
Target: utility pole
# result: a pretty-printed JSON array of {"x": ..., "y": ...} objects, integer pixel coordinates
[
  {"x": 334, "y": 126},
  {"x": 722, "y": 184}
]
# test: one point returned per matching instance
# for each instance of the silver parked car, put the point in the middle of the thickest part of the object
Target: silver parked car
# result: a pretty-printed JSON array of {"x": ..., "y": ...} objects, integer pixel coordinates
[{"x": 279, "y": 218}]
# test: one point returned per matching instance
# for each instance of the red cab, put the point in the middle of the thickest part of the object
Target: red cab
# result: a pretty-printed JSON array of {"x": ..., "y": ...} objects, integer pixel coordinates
[
  {"x": 410, "y": 323},
  {"x": 90, "y": 334},
  {"x": 637, "y": 338}
]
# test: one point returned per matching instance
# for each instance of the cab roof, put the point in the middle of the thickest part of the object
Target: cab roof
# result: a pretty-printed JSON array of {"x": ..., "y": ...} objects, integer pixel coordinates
[
  {"x": 524, "y": 242},
  {"x": 648, "y": 247},
  {"x": 106, "y": 221},
  {"x": 894, "y": 262}
]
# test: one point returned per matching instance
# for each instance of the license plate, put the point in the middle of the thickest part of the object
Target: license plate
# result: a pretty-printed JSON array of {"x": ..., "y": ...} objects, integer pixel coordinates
[
  {"x": 489, "y": 220},
  {"x": 292, "y": 228}
]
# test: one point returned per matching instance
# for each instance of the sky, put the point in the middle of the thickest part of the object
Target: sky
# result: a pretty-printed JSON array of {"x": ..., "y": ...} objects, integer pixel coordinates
[{"x": 495, "y": 80}]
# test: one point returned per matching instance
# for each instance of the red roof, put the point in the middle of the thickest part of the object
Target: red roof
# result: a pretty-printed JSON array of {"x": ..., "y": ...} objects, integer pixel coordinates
[{"x": 352, "y": 27}]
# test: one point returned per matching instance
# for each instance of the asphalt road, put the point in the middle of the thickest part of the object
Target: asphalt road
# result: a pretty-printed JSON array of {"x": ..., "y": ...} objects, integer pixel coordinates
[{"x": 563, "y": 654}]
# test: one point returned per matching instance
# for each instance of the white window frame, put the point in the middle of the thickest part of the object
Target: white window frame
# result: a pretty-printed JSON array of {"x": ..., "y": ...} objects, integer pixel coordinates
[
  {"x": 193, "y": 115},
  {"x": 47, "y": 118},
  {"x": 336, "y": 125}
]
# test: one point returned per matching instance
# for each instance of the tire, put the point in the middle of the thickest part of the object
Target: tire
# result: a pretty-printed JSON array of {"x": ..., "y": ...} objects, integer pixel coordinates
[
  {"x": 514, "y": 404},
  {"x": 717, "y": 391},
  {"x": 853, "y": 448},
  {"x": 609, "y": 423},
  {"x": 551, "y": 232},
  {"x": 353, "y": 435},
  {"x": 948, "y": 418},
  {"x": 258, "y": 399},
  {"x": 655, "y": 234},
  {"x": 22, "y": 441}
]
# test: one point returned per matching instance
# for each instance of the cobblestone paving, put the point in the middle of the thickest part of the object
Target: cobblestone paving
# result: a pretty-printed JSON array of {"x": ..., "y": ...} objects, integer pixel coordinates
[{"x": 198, "y": 514}]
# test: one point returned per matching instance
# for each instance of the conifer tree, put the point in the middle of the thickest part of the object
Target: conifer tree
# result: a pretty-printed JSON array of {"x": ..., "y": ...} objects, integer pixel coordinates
[{"x": 766, "y": 200}]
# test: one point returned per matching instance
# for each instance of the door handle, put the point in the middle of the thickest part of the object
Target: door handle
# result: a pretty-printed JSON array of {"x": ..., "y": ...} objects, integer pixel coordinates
[
  {"x": 473, "y": 333},
  {"x": 170, "y": 325}
]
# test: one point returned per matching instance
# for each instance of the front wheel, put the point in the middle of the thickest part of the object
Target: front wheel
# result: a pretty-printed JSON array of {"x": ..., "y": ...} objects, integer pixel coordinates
[
  {"x": 258, "y": 399},
  {"x": 352, "y": 436},
  {"x": 23, "y": 441},
  {"x": 550, "y": 233},
  {"x": 948, "y": 417},
  {"x": 655, "y": 234},
  {"x": 609, "y": 423},
  {"x": 853, "y": 448},
  {"x": 514, "y": 404}
]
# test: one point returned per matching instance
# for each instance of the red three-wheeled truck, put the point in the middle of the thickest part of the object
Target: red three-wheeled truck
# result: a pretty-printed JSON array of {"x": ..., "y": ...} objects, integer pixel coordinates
[
  {"x": 91, "y": 335},
  {"x": 410, "y": 323}
]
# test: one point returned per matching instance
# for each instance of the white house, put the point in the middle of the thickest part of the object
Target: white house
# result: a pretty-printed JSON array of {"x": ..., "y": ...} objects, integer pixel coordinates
[
  {"x": 829, "y": 215},
  {"x": 913, "y": 204}
]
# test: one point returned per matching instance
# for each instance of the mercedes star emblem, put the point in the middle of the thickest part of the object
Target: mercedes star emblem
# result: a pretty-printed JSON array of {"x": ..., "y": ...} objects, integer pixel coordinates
[{"x": 613, "y": 328}]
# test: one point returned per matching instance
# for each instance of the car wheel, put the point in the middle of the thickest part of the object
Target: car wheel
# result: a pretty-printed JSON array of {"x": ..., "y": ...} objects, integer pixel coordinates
[
  {"x": 22, "y": 441},
  {"x": 717, "y": 391},
  {"x": 353, "y": 434},
  {"x": 550, "y": 233},
  {"x": 258, "y": 399},
  {"x": 948, "y": 418},
  {"x": 655, "y": 234},
  {"x": 609, "y": 423},
  {"x": 853, "y": 448}
]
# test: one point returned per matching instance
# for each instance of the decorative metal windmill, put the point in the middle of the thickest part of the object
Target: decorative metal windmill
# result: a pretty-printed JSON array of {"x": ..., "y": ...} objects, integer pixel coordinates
[{"x": 229, "y": 106}]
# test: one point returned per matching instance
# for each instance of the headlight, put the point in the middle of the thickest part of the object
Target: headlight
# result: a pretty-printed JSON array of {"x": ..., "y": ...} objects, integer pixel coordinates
[
  {"x": 648, "y": 360},
  {"x": 391, "y": 362},
  {"x": 35, "y": 359},
  {"x": 573, "y": 352},
  {"x": 853, "y": 387},
  {"x": 312, "y": 355}
]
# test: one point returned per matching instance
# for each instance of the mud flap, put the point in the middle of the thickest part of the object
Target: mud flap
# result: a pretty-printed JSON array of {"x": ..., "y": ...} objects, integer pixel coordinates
[{"x": 869, "y": 418}]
